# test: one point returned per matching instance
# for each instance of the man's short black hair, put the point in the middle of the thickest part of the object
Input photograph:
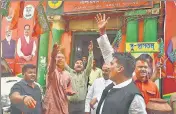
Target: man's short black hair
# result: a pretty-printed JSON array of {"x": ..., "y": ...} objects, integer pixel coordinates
[
  {"x": 127, "y": 61},
  {"x": 147, "y": 56},
  {"x": 27, "y": 25},
  {"x": 78, "y": 59},
  {"x": 27, "y": 66},
  {"x": 143, "y": 58},
  {"x": 95, "y": 60}
]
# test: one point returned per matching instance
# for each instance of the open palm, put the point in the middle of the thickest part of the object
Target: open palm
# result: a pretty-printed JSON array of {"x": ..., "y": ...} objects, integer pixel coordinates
[{"x": 101, "y": 21}]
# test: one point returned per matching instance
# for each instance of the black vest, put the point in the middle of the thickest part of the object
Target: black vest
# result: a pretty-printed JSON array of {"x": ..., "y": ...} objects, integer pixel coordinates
[{"x": 117, "y": 100}]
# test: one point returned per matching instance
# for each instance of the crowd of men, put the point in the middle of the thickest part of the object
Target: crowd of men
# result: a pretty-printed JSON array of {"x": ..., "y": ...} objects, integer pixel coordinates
[{"x": 124, "y": 85}]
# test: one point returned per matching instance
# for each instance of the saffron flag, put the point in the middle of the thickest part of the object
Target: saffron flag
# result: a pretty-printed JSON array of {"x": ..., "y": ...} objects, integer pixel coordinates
[
  {"x": 41, "y": 22},
  {"x": 17, "y": 13},
  {"x": 15, "y": 16}
]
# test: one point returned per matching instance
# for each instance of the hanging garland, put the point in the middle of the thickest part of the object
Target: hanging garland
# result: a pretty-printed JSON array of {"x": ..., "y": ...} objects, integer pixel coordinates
[
  {"x": 42, "y": 18},
  {"x": 5, "y": 7}
]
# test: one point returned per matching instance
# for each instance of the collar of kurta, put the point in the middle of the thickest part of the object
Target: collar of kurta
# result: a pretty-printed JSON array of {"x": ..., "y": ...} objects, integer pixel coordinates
[
  {"x": 95, "y": 69},
  {"x": 123, "y": 84},
  {"x": 60, "y": 70},
  {"x": 136, "y": 80},
  {"x": 78, "y": 72}
]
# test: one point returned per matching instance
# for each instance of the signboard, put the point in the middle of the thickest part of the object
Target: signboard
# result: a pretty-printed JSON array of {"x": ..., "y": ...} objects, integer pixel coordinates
[
  {"x": 97, "y": 5},
  {"x": 142, "y": 47}
]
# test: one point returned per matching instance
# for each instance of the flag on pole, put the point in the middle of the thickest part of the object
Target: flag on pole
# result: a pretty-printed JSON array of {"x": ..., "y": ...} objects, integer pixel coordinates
[
  {"x": 117, "y": 40},
  {"x": 41, "y": 22}
]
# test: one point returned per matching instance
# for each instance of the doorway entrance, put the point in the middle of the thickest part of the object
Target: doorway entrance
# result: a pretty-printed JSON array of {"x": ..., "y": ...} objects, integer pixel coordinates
[{"x": 80, "y": 44}]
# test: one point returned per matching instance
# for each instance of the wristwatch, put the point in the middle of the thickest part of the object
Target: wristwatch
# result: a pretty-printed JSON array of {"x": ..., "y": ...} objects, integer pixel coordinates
[{"x": 24, "y": 97}]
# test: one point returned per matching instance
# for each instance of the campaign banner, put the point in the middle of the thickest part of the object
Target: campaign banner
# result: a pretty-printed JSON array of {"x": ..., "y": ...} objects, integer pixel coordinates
[
  {"x": 9, "y": 37},
  {"x": 27, "y": 46},
  {"x": 170, "y": 46},
  {"x": 18, "y": 47}
]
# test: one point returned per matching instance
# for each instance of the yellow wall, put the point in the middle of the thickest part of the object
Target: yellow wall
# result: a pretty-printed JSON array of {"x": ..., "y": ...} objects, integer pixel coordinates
[{"x": 84, "y": 25}]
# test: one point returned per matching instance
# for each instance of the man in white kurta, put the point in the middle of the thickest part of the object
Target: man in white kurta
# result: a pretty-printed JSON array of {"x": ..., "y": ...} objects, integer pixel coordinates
[{"x": 96, "y": 89}]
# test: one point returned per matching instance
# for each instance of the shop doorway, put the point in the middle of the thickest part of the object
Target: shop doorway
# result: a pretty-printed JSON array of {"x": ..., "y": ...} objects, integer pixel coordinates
[{"x": 81, "y": 41}]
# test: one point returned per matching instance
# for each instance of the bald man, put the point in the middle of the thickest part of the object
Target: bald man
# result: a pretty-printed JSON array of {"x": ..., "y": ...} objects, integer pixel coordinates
[
  {"x": 96, "y": 90},
  {"x": 8, "y": 45}
]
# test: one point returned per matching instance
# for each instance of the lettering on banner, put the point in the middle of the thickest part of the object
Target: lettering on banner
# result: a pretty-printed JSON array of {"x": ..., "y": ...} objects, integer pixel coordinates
[{"x": 142, "y": 47}]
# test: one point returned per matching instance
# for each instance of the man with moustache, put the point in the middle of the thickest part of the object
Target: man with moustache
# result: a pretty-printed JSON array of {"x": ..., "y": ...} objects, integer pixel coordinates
[
  {"x": 58, "y": 85},
  {"x": 96, "y": 89},
  {"x": 8, "y": 45},
  {"x": 26, "y": 46},
  {"x": 79, "y": 78},
  {"x": 147, "y": 87},
  {"x": 26, "y": 96}
]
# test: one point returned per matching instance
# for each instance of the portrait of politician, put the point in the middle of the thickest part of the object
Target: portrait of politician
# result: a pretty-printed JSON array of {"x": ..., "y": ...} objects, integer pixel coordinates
[
  {"x": 26, "y": 46},
  {"x": 8, "y": 45}
]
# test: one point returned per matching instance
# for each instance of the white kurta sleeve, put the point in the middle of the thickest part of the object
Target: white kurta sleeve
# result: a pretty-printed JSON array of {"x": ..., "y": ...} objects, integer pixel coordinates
[
  {"x": 137, "y": 106},
  {"x": 105, "y": 48},
  {"x": 19, "y": 52}
]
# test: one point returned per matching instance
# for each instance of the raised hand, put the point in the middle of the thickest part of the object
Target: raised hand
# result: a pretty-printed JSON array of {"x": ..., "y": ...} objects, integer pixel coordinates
[
  {"x": 101, "y": 22},
  {"x": 56, "y": 48},
  {"x": 90, "y": 47}
]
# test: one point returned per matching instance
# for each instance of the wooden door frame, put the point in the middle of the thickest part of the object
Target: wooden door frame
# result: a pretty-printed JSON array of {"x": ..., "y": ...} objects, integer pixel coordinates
[{"x": 83, "y": 33}]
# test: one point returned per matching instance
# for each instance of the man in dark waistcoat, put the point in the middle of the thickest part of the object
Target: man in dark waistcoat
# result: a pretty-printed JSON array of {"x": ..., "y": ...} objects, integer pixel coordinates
[
  {"x": 122, "y": 96},
  {"x": 8, "y": 45},
  {"x": 26, "y": 46}
]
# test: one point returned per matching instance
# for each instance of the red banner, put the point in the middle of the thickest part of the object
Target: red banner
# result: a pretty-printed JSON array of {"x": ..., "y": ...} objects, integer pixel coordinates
[
  {"x": 18, "y": 49},
  {"x": 96, "y": 5},
  {"x": 170, "y": 32}
]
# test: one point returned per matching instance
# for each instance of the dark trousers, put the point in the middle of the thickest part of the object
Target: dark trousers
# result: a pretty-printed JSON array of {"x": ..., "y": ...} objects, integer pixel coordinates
[{"x": 76, "y": 107}]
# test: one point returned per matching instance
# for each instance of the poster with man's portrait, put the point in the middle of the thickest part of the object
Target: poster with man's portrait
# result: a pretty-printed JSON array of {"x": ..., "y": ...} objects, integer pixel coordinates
[{"x": 8, "y": 39}]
